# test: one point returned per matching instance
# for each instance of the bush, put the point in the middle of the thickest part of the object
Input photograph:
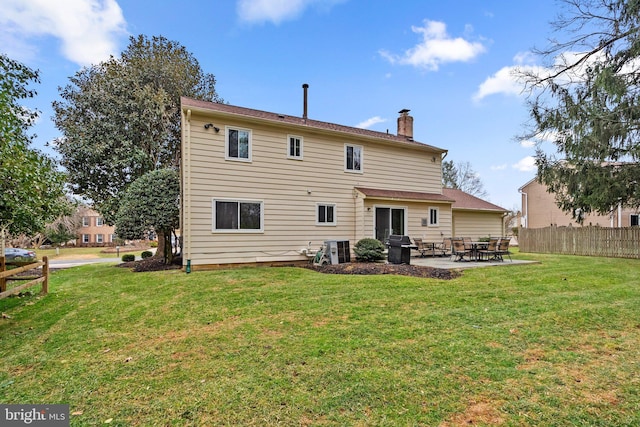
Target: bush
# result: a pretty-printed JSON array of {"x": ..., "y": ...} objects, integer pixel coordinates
[
  {"x": 146, "y": 254},
  {"x": 153, "y": 244},
  {"x": 368, "y": 250},
  {"x": 128, "y": 257}
]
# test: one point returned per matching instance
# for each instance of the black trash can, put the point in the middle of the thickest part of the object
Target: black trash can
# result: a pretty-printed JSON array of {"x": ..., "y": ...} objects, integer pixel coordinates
[{"x": 400, "y": 249}]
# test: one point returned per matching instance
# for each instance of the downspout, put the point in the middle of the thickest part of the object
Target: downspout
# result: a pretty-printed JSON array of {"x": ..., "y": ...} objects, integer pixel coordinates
[
  {"x": 619, "y": 215},
  {"x": 187, "y": 193},
  {"x": 526, "y": 209}
]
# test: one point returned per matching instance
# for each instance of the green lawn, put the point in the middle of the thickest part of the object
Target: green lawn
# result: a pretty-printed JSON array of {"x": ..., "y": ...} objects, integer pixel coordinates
[
  {"x": 72, "y": 252},
  {"x": 555, "y": 343}
]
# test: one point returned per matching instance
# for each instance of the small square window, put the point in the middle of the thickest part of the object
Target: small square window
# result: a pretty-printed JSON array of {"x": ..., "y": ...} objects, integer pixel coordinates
[
  {"x": 326, "y": 214},
  {"x": 294, "y": 147}
]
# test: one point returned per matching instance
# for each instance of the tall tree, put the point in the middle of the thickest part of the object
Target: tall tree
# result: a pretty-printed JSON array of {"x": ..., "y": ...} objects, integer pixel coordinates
[
  {"x": 31, "y": 187},
  {"x": 462, "y": 176},
  {"x": 151, "y": 203},
  {"x": 588, "y": 99},
  {"x": 121, "y": 118}
]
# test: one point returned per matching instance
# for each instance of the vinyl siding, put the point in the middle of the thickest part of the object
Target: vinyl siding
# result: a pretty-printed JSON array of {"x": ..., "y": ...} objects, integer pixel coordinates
[
  {"x": 477, "y": 224},
  {"x": 291, "y": 189},
  {"x": 543, "y": 211}
]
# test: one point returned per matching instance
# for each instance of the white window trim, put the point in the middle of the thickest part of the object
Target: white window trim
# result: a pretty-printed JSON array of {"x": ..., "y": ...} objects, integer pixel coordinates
[
  {"x": 86, "y": 221},
  {"x": 88, "y": 238},
  {"x": 437, "y": 223},
  {"x": 226, "y": 144},
  {"x": 289, "y": 156},
  {"x": 99, "y": 238},
  {"x": 335, "y": 215},
  {"x": 239, "y": 230},
  {"x": 361, "y": 158},
  {"x": 99, "y": 221}
]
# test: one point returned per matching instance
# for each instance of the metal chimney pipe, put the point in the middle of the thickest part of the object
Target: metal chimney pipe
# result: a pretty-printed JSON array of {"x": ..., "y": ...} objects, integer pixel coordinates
[{"x": 304, "y": 105}]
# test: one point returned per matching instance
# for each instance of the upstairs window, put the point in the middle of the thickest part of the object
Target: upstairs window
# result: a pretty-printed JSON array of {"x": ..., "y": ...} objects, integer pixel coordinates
[
  {"x": 352, "y": 158},
  {"x": 86, "y": 221},
  {"x": 238, "y": 144},
  {"x": 294, "y": 147},
  {"x": 634, "y": 220},
  {"x": 99, "y": 221}
]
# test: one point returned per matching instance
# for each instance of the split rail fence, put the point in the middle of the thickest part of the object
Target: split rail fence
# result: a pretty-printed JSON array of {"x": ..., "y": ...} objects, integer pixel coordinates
[
  {"x": 589, "y": 241},
  {"x": 9, "y": 276}
]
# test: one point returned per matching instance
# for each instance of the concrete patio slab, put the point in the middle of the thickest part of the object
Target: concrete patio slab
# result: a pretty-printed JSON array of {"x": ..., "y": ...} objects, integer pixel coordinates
[{"x": 447, "y": 263}]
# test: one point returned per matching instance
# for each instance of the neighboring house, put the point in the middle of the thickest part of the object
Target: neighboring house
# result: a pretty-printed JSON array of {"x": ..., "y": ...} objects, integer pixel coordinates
[
  {"x": 474, "y": 217},
  {"x": 539, "y": 210},
  {"x": 262, "y": 187},
  {"x": 93, "y": 231}
]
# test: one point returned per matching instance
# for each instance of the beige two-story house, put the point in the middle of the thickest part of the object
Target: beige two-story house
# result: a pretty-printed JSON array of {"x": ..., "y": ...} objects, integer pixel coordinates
[
  {"x": 261, "y": 187},
  {"x": 540, "y": 210}
]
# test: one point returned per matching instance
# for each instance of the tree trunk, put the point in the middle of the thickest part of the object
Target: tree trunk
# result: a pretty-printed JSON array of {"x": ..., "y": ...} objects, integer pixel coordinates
[{"x": 164, "y": 250}]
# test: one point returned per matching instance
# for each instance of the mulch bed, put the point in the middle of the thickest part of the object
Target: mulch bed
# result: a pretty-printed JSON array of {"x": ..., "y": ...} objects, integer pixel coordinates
[
  {"x": 364, "y": 268},
  {"x": 152, "y": 264},
  {"x": 380, "y": 268}
]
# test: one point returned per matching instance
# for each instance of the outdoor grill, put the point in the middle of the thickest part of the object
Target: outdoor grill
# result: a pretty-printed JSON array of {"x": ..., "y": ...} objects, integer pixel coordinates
[{"x": 400, "y": 249}]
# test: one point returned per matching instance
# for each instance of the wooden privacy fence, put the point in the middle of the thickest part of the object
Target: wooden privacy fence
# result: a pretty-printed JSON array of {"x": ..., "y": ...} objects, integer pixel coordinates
[
  {"x": 590, "y": 241},
  {"x": 12, "y": 275}
]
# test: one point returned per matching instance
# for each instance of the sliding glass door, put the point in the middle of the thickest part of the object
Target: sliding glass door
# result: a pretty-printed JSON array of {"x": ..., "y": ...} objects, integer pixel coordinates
[{"x": 389, "y": 221}]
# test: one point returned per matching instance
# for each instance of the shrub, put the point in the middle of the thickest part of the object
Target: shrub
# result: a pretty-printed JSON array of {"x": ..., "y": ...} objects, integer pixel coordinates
[
  {"x": 128, "y": 257},
  {"x": 146, "y": 254},
  {"x": 153, "y": 244},
  {"x": 369, "y": 250}
]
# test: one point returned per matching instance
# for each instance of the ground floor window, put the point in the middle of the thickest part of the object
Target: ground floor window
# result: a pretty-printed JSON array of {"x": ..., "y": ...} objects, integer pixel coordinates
[
  {"x": 326, "y": 214},
  {"x": 86, "y": 238},
  {"x": 389, "y": 221},
  {"x": 237, "y": 215},
  {"x": 634, "y": 220},
  {"x": 433, "y": 216},
  {"x": 99, "y": 238}
]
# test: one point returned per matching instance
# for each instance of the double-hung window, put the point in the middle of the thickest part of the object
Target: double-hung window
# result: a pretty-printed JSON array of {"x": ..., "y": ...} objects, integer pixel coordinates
[
  {"x": 237, "y": 215},
  {"x": 99, "y": 238},
  {"x": 86, "y": 221},
  {"x": 352, "y": 158},
  {"x": 433, "y": 216},
  {"x": 86, "y": 238},
  {"x": 238, "y": 144},
  {"x": 99, "y": 221},
  {"x": 294, "y": 147},
  {"x": 634, "y": 220},
  {"x": 326, "y": 214}
]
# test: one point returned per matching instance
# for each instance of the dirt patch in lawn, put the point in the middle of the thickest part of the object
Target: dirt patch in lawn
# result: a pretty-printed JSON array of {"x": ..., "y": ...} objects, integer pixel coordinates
[
  {"x": 154, "y": 263},
  {"x": 380, "y": 268}
]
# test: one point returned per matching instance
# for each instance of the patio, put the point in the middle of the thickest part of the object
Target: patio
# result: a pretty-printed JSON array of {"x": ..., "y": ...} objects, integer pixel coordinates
[{"x": 447, "y": 263}]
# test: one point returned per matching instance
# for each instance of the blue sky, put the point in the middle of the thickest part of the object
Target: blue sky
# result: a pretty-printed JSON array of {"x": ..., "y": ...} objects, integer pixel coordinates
[{"x": 449, "y": 62}]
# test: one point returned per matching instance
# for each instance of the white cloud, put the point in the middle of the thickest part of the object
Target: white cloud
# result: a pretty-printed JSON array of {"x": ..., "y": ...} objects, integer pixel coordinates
[
  {"x": 370, "y": 122},
  {"x": 276, "y": 11},
  {"x": 528, "y": 164},
  {"x": 528, "y": 143},
  {"x": 436, "y": 48},
  {"x": 88, "y": 29}
]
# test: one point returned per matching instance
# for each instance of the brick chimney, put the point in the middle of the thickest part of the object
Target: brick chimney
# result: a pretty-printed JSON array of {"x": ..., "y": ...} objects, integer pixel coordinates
[{"x": 405, "y": 124}]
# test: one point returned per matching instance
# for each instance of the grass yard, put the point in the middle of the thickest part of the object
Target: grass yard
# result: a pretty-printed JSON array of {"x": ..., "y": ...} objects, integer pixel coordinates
[
  {"x": 555, "y": 343},
  {"x": 72, "y": 252}
]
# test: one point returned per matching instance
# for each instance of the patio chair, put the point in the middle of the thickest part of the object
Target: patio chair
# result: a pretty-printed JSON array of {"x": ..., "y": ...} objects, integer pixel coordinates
[
  {"x": 421, "y": 247},
  {"x": 491, "y": 251},
  {"x": 459, "y": 252},
  {"x": 503, "y": 249},
  {"x": 444, "y": 248},
  {"x": 468, "y": 245}
]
